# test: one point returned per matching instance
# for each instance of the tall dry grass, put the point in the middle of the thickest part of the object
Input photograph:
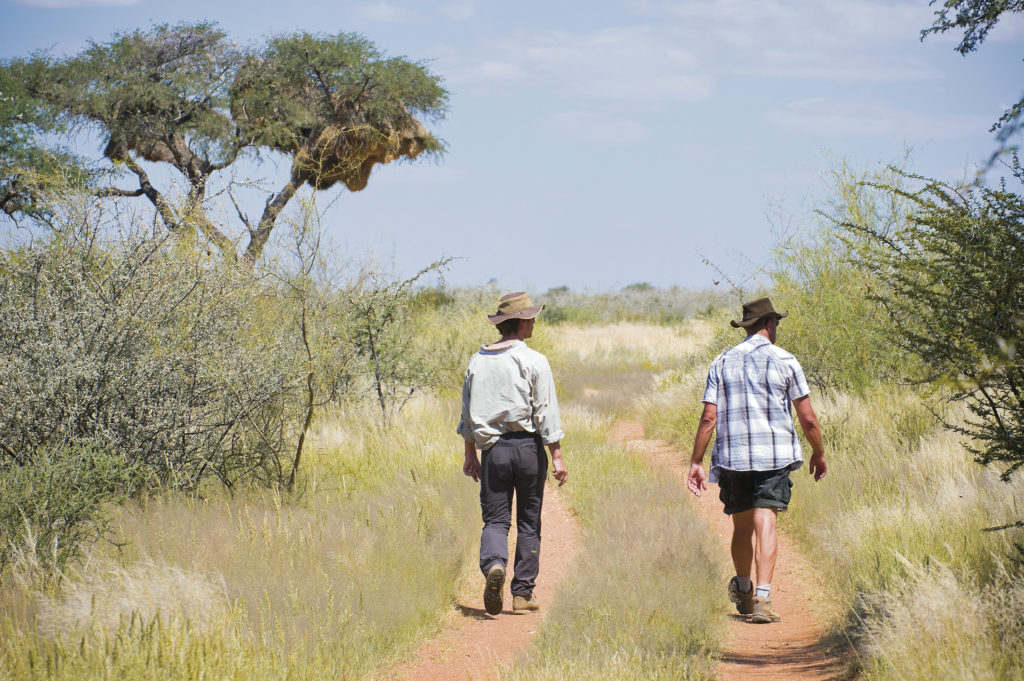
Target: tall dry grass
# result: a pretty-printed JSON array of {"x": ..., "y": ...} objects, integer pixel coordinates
[
  {"x": 941, "y": 623},
  {"x": 896, "y": 531},
  {"x": 606, "y": 367},
  {"x": 334, "y": 584},
  {"x": 899, "y": 528},
  {"x": 643, "y": 599}
]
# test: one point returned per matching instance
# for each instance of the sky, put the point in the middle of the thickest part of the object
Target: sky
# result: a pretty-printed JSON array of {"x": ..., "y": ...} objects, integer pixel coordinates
[{"x": 595, "y": 144}]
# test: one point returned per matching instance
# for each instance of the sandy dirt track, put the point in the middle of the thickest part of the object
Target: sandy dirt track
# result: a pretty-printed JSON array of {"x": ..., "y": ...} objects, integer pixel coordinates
[
  {"x": 473, "y": 645},
  {"x": 789, "y": 650}
]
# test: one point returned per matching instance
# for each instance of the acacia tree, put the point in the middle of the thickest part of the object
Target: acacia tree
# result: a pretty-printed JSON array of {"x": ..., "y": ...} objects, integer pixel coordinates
[
  {"x": 187, "y": 97},
  {"x": 955, "y": 295},
  {"x": 976, "y": 18}
]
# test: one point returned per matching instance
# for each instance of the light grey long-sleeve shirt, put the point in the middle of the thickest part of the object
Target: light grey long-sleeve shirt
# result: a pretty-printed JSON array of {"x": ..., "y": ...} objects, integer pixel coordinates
[{"x": 509, "y": 390}]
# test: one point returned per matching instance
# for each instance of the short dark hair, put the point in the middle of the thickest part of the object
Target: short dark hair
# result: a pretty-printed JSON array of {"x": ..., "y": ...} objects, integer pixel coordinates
[
  {"x": 508, "y": 327},
  {"x": 761, "y": 323}
]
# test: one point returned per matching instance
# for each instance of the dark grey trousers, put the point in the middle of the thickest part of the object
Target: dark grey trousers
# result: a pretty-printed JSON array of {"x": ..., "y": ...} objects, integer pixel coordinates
[{"x": 515, "y": 463}]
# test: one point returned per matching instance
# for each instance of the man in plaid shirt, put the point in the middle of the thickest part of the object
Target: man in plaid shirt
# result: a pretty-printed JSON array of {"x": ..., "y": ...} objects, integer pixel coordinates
[{"x": 749, "y": 390}]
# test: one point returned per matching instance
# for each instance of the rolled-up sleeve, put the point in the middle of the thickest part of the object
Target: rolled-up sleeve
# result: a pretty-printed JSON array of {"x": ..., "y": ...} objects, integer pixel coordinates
[
  {"x": 546, "y": 418},
  {"x": 711, "y": 386},
  {"x": 797, "y": 387},
  {"x": 465, "y": 428}
]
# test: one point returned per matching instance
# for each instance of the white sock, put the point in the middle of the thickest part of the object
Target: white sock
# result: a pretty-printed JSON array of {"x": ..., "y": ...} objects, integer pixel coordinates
[
  {"x": 764, "y": 592},
  {"x": 744, "y": 584}
]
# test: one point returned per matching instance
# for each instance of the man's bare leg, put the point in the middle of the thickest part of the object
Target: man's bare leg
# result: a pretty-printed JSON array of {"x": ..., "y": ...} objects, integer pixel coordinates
[
  {"x": 742, "y": 542},
  {"x": 766, "y": 550},
  {"x": 763, "y": 521}
]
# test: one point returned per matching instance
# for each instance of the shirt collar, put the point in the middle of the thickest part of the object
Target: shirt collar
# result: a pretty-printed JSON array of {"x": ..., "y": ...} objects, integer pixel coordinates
[
  {"x": 757, "y": 340},
  {"x": 514, "y": 344}
]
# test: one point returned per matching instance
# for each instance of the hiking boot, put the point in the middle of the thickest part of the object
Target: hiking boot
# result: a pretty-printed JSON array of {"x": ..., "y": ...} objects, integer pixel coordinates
[
  {"x": 492, "y": 590},
  {"x": 527, "y": 603},
  {"x": 763, "y": 613},
  {"x": 744, "y": 601}
]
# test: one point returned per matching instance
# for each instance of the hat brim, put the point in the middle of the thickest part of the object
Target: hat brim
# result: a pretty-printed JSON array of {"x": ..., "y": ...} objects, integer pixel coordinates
[
  {"x": 747, "y": 323},
  {"x": 528, "y": 313}
]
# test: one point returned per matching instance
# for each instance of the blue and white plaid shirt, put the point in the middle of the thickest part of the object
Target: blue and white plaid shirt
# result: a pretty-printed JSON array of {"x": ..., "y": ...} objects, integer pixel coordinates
[{"x": 753, "y": 385}]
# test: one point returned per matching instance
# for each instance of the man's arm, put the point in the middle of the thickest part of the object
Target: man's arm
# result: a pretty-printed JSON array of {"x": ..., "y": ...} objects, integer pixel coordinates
[
  {"x": 561, "y": 472},
  {"x": 471, "y": 466},
  {"x": 812, "y": 431},
  {"x": 696, "y": 481}
]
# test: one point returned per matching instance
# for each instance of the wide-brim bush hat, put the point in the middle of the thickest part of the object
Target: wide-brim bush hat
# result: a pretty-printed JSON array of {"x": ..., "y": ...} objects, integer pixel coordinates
[
  {"x": 755, "y": 311},
  {"x": 514, "y": 306}
]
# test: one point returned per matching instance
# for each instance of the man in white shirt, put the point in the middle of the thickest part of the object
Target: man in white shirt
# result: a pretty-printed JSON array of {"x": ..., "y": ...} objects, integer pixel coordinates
[
  {"x": 747, "y": 398},
  {"x": 510, "y": 412}
]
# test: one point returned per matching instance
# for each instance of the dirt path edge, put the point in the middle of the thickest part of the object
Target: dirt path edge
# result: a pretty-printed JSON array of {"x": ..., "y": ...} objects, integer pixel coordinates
[
  {"x": 784, "y": 651},
  {"x": 473, "y": 645}
]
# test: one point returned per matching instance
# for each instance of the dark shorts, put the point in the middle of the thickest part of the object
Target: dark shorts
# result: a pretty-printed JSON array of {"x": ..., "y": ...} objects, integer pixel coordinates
[{"x": 743, "y": 490}]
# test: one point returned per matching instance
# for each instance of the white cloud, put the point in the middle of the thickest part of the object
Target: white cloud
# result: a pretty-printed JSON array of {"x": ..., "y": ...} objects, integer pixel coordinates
[
  {"x": 843, "y": 40},
  {"x": 834, "y": 118},
  {"x": 460, "y": 10},
  {"x": 685, "y": 48},
  {"x": 497, "y": 70},
  {"x": 639, "y": 64},
  {"x": 808, "y": 65},
  {"x": 385, "y": 12},
  {"x": 75, "y": 4},
  {"x": 596, "y": 127}
]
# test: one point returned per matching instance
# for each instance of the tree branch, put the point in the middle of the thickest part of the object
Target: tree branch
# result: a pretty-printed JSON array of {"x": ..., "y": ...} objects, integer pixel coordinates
[
  {"x": 107, "y": 192},
  {"x": 156, "y": 198},
  {"x": 241, "y": 216},
  {"x": 275, "y": 205}
]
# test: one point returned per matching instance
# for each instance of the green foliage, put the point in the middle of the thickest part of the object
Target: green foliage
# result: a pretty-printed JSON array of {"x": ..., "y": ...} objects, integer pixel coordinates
[
  {"x": 300, "y": 84},
  {"x": 138, "y": 349},
  {"x": 956, "y": 295},
  {"x": 188, "y": 370},
  {"x": 29, "y": 172},
  {"x": 449, "y": 333},
  {"x": 976, "y": 18},
  {"x": 381, "y": 317},
  {"x": 640, "y": 302},
  {"x": 155, "y": 94},
  {"x": 52, "y": 506},
  {"x": 188, "y": 97},
  {"x": 837, "y": 325}
]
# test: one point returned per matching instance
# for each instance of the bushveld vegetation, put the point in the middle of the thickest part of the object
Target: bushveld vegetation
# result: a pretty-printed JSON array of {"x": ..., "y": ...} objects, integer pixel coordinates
[
  {"x": 335, "y": 583},
  {"x": 914, "y": 363},
  {"x": 116, "y": 559},
  {"x": 636, "y": 605},
  {"x": 220, "y": 470},
  {"x": 214, "y": 470}
]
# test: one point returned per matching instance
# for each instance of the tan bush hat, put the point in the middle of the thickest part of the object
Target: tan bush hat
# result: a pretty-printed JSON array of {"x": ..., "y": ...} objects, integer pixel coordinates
[
  {"x": 756, "y": 310},
  {"x": 514, "y": 306}
]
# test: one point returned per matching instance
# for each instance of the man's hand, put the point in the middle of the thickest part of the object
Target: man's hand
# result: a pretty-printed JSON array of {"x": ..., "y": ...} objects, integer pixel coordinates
[
  {"x": 471, "y": 466},
  {"x": 472, "y": 469},
  {"x": 817, "y": 466},
  {"x": 561, "y": 473},
  {"x": 696, "y": 481}
]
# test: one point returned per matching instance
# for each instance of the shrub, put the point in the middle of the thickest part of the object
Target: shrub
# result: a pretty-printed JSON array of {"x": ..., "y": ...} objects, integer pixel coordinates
[
  {"x": 838, "y": 325},
  {"x": 51, "y": 508},
  {"x": 954, "y": 272},
  {"x": 143, "y": 349},
  {"x": 639, "y": 302}
]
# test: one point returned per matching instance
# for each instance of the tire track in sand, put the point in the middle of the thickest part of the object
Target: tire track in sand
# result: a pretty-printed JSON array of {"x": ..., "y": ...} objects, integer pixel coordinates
[
  {"x": 472, "y": 646},
  {"x": 783, "y": 651}
]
